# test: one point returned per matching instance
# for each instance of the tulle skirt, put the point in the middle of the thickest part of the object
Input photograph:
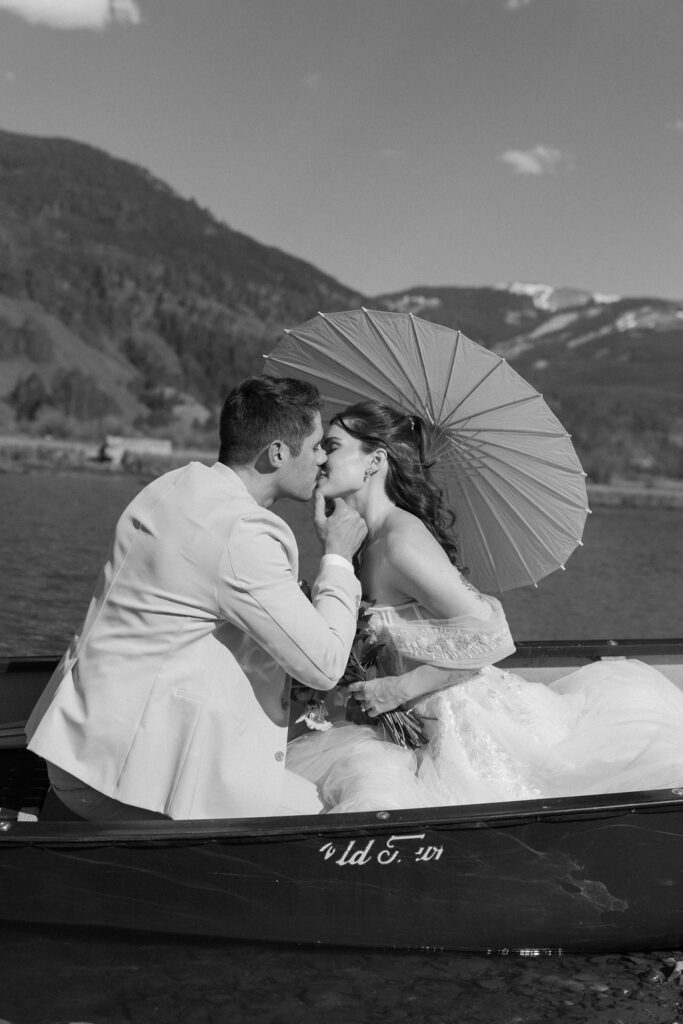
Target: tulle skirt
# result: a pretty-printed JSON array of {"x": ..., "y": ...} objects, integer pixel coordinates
[{"x": 611, "y": 727}]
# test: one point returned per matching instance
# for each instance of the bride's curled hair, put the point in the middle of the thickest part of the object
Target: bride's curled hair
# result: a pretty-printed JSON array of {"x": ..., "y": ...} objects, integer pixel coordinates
[{"x": 408, "y": 484}]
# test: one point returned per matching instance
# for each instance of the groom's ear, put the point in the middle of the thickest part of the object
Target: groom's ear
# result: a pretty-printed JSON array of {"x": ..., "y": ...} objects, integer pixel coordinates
[{"x": 276, "y": 453}]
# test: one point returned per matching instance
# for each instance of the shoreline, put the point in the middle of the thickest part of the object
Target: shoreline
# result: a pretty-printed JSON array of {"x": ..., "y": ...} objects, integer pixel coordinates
[
  {"x": 624, "y": 496},
  {"x": 26, "y": 455}
]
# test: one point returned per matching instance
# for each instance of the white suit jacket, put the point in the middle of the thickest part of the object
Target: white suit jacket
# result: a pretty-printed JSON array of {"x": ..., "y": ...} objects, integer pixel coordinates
[{"x": 175, "y": 696}]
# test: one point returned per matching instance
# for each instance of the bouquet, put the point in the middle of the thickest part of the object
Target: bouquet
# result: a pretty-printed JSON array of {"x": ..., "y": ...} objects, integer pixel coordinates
[{"x": 373, "y": 655}]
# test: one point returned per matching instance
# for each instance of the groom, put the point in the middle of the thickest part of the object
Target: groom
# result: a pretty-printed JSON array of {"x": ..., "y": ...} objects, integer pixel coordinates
[{"x": 174, "y": 700}]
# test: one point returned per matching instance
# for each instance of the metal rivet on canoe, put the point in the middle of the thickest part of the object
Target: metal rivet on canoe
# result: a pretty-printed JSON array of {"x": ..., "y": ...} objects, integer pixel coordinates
[
  {"x": 5, "y": 826},
  {"x": 383, "y": 815},
  {"x": 677, "y": 792}
]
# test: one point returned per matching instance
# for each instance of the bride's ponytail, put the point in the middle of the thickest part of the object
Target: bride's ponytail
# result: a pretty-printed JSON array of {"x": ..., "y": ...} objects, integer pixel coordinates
[{"x": 420, "y": 432}]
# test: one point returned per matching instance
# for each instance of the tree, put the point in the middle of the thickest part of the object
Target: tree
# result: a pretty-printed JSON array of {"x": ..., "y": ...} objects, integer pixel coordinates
[{"x": 28, "y": 397}]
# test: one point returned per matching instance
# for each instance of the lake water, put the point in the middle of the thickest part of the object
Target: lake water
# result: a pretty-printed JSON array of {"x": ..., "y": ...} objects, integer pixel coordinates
[
  {"x": 626, "y": 580},
  {"x": 54, "y": 529}
]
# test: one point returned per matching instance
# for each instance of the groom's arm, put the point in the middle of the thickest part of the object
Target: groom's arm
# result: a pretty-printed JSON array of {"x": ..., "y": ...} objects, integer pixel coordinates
[{"x": 258, "y": 592}]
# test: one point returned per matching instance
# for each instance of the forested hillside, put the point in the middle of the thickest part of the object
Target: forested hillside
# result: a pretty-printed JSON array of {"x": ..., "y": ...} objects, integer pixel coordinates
[{"x": 174, "y": 307}]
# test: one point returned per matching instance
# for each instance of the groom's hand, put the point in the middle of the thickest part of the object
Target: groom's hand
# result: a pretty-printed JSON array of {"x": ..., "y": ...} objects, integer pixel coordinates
[{"x": 343, "y": 531}]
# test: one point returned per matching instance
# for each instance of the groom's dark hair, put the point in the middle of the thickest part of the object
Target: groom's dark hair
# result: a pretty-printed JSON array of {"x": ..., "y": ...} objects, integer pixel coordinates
[{"x": 264, "y": 409}]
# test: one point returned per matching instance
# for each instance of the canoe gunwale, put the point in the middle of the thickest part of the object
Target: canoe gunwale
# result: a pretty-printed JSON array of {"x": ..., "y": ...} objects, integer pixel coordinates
[
  {"x": 525, "y": 651},
  {"x": 371, "y": 823}
]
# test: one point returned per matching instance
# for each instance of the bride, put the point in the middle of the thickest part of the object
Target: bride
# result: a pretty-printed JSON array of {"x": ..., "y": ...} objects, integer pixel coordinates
[{"x": 609, "y": 727}]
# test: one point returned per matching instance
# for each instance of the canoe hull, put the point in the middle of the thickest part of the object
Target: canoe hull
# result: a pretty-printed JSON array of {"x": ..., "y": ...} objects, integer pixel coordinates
[{"x": 553, "y": 878}]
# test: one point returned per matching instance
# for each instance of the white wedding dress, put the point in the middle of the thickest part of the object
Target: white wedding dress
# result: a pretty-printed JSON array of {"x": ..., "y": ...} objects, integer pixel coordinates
[{"x": 612, "y": 726}]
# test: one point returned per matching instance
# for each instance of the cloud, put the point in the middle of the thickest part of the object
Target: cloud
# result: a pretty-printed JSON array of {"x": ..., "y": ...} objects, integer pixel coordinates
[
  {"x": 9, "y": 76},
  {"x": 75, "y": 14},
  {"x": 537, "y": 160},
  {"x": 516, "y": 5},
  {"x": 678, "y": 125}
]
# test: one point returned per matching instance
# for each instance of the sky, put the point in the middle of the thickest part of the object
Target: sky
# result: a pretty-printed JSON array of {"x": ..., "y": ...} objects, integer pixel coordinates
[{"x": 391, "y": 143}]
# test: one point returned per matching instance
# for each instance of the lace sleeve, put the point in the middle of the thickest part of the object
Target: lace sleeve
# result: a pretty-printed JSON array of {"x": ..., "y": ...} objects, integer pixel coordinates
[{"x": 464, "y": 642}]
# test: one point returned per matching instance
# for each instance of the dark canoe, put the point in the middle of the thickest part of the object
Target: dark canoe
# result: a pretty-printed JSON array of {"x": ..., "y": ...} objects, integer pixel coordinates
[{"x": 576, "y": 875}]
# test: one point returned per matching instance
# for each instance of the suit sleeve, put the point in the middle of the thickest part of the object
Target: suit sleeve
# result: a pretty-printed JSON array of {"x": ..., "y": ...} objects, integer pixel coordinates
[{"x": 258, "y": 592}]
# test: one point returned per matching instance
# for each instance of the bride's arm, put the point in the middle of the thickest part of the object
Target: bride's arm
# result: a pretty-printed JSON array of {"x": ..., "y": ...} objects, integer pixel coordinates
[{"x": 417, "y": 566}]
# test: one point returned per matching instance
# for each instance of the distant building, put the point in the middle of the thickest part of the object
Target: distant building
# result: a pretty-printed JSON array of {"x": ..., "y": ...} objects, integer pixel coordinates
[{"x": 117, "y": 449}]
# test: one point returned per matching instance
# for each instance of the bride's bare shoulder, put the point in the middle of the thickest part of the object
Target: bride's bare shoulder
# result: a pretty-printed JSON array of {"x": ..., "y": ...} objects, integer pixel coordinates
[
  {"x": 418, "y": 568},
  {"x": 403, "y": 528}
]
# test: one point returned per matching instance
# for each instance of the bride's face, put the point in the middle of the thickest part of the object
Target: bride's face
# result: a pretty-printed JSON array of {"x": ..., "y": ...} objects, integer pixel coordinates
[{"x": 344, "y": 473}]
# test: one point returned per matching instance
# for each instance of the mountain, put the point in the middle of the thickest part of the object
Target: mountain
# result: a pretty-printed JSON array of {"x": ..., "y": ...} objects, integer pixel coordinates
[
  {"x": 610, "y": 367},
  {"x": 120, "y": 299},
  {"x": 124, "y": 307}
]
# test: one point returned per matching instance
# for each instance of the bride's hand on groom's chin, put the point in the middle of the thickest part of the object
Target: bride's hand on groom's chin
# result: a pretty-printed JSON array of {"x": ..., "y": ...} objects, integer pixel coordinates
[{"x": 342, "y": 531}]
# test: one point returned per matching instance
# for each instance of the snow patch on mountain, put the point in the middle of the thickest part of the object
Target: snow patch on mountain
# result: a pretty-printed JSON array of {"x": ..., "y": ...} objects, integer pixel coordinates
[
  {"x": 413, "y": 303},
  {"x": 650, "y": 319},
  {"x": 552, "y": 298},
  {"x": 512, "y": 348},
  {"x": 584, "y": 339},
  {"x": 558, "y": 322}
]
